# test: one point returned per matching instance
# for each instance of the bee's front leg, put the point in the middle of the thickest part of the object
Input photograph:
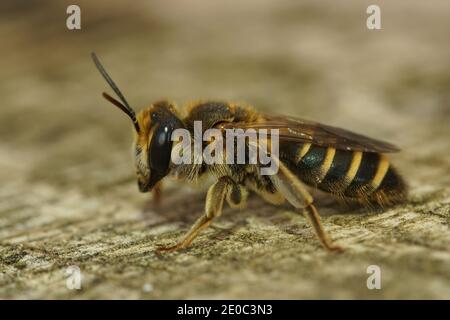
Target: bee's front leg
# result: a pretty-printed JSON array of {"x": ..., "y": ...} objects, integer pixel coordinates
[
  {"x": 157, "y": 194},
  {"x": 224, "y": 187}
]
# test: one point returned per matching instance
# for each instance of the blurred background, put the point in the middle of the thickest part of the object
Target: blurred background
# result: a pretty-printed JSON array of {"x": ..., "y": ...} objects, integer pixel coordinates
[{"x": 69, "y": 195}]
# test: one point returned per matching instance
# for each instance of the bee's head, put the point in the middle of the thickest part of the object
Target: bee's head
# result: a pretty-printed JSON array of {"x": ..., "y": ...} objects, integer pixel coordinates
[
  {"x": 153, "y": 144},
  {"x": 153, "y": 130}
]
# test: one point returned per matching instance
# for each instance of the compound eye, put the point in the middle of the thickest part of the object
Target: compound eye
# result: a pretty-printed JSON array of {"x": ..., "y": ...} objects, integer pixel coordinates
[{"x": 160, "y": 149}]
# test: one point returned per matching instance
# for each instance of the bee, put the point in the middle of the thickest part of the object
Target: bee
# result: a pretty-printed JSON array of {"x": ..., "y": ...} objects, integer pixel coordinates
[{"x": 349, "y": 166}]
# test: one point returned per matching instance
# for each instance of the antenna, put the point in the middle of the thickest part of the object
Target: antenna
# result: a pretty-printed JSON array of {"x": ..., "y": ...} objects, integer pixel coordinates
[{"x": 124, "y": 106}]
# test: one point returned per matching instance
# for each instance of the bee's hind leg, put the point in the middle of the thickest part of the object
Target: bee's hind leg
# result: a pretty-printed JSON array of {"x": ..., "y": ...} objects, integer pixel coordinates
[
  {"x": 317, "y": 225},
  {"x": 225, "y": 187},
  {"x": 296, "y": 194}
]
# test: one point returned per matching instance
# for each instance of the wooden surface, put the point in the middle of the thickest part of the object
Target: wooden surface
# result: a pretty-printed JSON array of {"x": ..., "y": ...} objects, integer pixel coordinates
[{"x": 69, "y": 198}]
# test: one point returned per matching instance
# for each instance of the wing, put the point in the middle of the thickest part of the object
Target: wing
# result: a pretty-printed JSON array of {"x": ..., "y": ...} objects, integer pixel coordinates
[{"x": 304, "y": 131}]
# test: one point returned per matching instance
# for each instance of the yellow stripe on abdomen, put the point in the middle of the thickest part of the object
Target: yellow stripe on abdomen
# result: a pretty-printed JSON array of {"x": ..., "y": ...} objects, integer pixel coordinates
[
  {"x": 383, "y": 166},
  {"x": 305, "y": 148},
  {"x": 326, "y": 164},
  {"x": 354, "y": 166}
]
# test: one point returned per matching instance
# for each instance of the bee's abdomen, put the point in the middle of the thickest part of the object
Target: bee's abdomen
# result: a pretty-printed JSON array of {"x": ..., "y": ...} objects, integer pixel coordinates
[{"x": 367, "y": 177}]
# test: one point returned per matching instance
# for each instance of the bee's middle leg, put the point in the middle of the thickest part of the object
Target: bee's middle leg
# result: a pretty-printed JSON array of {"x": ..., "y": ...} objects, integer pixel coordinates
[{"x": 224, "y": 188}]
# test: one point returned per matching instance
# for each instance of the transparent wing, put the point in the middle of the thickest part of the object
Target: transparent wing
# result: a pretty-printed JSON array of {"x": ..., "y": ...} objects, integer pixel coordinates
[{"x": 305, "y": 131}]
